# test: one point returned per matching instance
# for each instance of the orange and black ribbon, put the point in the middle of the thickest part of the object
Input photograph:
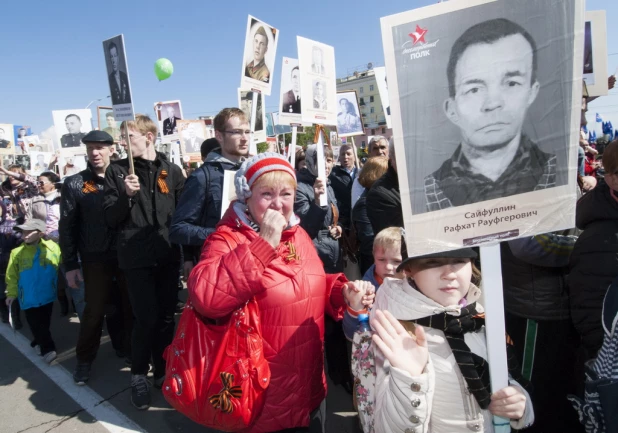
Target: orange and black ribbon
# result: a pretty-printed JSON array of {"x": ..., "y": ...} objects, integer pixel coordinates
[
  {"x": 90, "y": 186},
  {"x": 223, "y": 400},
  {"x": 292, "y": 255},
  {"x": 161, "y": 182},
  {"x": 316, "y": 136}
]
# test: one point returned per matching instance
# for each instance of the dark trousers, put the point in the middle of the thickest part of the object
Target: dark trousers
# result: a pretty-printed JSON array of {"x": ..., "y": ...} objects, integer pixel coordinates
[
  {"x": 106, "y": 297},
  {"x": 152, "y": 292},
  {"x": 547, "y": 351},
  {"x": 39, "y": 321},
  {"x": 336, "y": 351}
]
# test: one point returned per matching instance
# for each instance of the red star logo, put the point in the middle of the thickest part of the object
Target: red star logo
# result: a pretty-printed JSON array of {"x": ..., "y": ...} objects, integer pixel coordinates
[{"x": 418, "y": 35}]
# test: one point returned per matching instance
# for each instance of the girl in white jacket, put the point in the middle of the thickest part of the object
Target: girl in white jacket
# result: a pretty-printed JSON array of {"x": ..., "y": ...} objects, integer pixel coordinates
[{"x": 431, "y": 378}]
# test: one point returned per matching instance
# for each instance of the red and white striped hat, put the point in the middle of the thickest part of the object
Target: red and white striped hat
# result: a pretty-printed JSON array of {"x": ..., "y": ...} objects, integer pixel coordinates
[{"x": 254, "y": 167}]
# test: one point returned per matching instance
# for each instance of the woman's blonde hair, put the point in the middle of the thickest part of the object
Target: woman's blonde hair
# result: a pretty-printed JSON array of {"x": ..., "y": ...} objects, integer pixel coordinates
[
  {"x": 373, "y": 169},
  {"x": 275, "y": 178}
]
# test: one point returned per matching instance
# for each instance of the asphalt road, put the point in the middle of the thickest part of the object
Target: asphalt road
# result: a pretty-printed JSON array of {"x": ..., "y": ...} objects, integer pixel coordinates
[{"x": 39, "y": 398}]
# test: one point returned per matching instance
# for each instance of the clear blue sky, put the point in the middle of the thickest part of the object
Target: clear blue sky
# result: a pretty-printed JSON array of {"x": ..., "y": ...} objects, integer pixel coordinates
[{"x": 53, "y": 57}]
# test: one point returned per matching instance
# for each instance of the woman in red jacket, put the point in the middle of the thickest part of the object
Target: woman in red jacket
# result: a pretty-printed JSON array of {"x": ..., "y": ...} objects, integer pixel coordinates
[{"x": 276, "y": 262}]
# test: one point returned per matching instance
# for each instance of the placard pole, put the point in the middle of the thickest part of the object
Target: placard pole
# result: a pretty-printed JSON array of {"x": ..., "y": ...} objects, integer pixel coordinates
[{"x": 494, "y": 325}]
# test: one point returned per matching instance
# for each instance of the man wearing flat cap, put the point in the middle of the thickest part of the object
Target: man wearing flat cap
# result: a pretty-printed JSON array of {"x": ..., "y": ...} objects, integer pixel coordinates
[
  {"x": 257, "y": 68},
  {"x": 85, "y": 235}
]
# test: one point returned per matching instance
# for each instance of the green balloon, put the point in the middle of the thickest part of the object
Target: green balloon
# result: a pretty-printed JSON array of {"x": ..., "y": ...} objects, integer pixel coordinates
[{"x": 163, "y": 69}]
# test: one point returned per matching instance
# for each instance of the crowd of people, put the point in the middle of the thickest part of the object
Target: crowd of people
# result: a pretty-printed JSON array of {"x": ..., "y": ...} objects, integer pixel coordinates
[{"x": 119, "y": 238}]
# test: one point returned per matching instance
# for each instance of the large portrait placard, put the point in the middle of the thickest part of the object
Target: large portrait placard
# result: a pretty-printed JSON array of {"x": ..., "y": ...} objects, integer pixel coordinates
[
  {"x": 349, "y": 120},
  {"x": 71, "y": 126},
  {"x": 381, "y": 80},
  {"x": 167, "y": 114},
  {"x": 595, "y": 53},
  {"x": 318, "y": 88},
  {"x": 259, "y": 56},
  {"x": 245, "y": 102},
  {"x": 117, "y": 71},
  {"x": 485, "y": 126}
]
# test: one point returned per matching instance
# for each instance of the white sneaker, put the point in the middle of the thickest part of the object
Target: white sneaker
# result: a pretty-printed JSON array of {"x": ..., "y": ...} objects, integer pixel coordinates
[{"x": 49, "y": 357}]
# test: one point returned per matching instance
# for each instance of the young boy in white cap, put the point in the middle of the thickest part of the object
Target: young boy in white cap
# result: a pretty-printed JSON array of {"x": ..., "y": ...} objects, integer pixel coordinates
[{"x": 32, "y": 276}]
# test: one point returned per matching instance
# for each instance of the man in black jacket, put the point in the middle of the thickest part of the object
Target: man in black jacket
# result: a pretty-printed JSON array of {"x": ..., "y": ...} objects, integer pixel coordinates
[
  {"x": 84, "y": 235},
  {"x": 140, "y": 207},
  {"x": 341, "y": 180},
  {"x": 383, "y": 199},
  {"x": 199, "y": 208}
]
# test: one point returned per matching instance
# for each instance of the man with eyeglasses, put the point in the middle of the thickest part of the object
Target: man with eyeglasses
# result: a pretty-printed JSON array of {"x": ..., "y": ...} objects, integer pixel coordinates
[
  {"x": 140, "y": 207},
  {"x": 199, "y": 208}
]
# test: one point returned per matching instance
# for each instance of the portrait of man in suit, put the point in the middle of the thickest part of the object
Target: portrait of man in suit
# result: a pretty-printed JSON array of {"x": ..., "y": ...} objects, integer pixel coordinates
[
  {"x": 74, "y": 137},
  {"x": 319, "y": 95},
  {"x": 169, "y": 124},
  {"x": 4, "y": 143},
  {"x": 118, "y": 81},
  {"x": 291, "y": 99},
  {"x": 256, "y": 68},
  {"x": 193, "y": 141},
  {"x": 317, "y": 65}
]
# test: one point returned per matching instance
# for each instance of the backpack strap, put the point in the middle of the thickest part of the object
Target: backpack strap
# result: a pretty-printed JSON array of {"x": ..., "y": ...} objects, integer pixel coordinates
[{"x": 208, "y": 193}]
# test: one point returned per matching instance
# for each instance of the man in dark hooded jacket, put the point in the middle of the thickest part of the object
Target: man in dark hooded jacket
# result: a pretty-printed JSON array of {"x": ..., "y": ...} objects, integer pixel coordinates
[{"x": 594, "y": 261}]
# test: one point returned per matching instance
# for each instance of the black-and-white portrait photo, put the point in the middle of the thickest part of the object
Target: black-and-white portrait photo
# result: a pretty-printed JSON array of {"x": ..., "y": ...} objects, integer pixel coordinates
[
  {"x": 588, "y": 69},
  {"x": 319, "y": 95},
  {"x": 8, "y": 160},
  {"x": 483, "y": 118},
  {"x": 168, "y": 113},
  {"x": 349, "y": 121},
  {"x": 71, "y": 126},
  {"x": 40, "y": 162},
  {"x": 259, "y": 55},
  {"x": 192, "y": 133},
  {"x": 118, "y": 80},
  {"x": 317, "y": 60},
  {"x": 502, "y": 128},
  {"x": 6, "y": 138},
  {"x": 23, "y": 160},
  {"x": 316, "y": 63},
  {"x": 245, "y": 102},
  {"x": 290, "y": 85}
]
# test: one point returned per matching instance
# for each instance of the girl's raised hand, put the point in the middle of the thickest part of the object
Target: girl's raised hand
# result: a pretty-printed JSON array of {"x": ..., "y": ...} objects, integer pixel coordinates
[{"x": 402, "y": 350}]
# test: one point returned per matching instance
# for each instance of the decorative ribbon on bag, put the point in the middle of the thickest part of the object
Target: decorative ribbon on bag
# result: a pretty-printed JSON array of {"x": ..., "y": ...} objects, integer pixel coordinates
[
  {"x": 318, "y": 129},
  {"x": 90, "y": 186},
  {"x": 161, "y": 182},
  {"x": 223, "y": 400}
]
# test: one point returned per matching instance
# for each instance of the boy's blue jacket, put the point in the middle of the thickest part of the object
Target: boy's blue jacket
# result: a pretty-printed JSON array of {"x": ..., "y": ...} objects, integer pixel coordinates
[{"x": 32, "y": 273}]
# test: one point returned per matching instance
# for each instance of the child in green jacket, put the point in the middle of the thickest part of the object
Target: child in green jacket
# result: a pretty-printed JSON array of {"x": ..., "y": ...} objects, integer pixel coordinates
[{"x": 31, "y": 277}]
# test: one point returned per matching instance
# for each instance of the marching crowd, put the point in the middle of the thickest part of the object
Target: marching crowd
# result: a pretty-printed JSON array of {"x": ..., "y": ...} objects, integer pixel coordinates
[{"x": 119, "y": 241}]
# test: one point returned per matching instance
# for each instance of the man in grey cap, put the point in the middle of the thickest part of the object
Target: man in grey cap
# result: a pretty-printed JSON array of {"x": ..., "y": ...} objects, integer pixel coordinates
[{"x": 83, "y": 231}]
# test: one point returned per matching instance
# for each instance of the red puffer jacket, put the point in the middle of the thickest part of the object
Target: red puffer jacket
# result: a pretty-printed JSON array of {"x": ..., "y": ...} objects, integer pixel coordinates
[{"x": 292, "y": 292}]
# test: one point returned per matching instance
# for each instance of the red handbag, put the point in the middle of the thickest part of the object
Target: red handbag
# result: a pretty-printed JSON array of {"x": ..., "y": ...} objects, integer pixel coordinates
[{"x": 216, "y": 374}]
